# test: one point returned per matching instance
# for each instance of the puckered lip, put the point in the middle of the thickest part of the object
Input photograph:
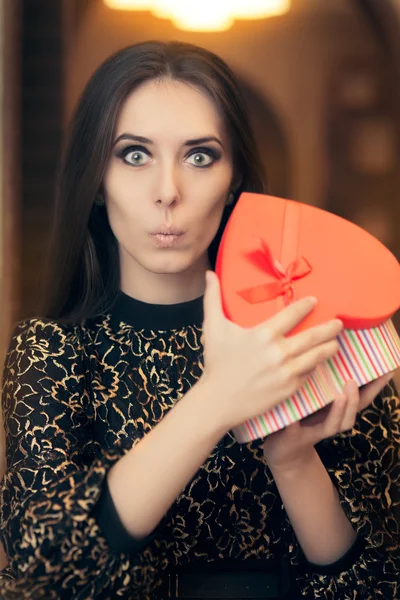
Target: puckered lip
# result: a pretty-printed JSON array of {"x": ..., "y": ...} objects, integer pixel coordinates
[{"x": 166, "y": 230}]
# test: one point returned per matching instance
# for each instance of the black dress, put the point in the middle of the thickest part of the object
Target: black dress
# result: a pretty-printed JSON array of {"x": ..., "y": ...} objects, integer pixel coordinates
[{"x": 76, "y": 398}]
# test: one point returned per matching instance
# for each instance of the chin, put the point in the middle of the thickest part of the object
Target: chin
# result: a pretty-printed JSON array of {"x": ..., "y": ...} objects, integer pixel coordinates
[{"x": 173, "y": 264}]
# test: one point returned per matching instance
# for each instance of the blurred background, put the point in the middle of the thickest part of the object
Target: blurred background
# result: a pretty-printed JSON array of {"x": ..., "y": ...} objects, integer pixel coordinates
[{"x": 321, "y": 77}]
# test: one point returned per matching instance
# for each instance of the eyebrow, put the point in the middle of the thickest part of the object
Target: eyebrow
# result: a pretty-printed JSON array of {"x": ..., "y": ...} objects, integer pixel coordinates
[{"x": 144, "y": 140}]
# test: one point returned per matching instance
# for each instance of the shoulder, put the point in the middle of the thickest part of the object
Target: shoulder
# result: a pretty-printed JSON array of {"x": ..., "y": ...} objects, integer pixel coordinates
[
  {"x": 54, "y": 336},
  {"x": 39, "y": 344},
  {"x": 44, "y": 341},
  {"x": 44, "y": 366},
  {"x": 45, "y": 335}
]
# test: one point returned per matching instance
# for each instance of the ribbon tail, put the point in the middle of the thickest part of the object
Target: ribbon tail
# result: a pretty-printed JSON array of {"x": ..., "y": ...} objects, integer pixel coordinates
[
  {"x": 263, "y": 259},
  {"x": 262, "y": 293},
  {"x": 300, "y": 268}
]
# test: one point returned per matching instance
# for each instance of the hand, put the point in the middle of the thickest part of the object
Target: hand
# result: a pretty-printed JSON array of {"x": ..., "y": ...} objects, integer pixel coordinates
[
  {"x": 290, "y": 448},
  {"x": 253, "y": 369}
]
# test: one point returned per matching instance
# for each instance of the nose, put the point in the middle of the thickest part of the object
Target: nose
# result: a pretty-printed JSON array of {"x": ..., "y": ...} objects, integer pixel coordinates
[{"x": 168, "y": 188}]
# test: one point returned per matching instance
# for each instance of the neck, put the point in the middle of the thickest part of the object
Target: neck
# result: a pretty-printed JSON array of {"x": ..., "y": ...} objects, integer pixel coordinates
[{"x": 163, "y": 288}]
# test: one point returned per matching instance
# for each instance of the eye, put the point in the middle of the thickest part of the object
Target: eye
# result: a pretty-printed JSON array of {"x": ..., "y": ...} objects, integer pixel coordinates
[
  {"x": 134, "y": 156},
  {"x": 202, "y": 158}
]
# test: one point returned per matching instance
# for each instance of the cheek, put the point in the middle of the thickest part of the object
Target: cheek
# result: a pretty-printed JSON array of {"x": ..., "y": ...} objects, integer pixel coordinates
[
  {"x": 208, "y": 218},
  {"x": 120, "y": 208},
  {"x": 123, "y": 196}
]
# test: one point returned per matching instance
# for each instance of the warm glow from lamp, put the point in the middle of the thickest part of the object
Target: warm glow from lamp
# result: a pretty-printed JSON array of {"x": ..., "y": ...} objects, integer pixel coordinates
[
  {"x": 205, "y": 15},
  {"x": 130, "y": 4},
  {"x": 260, "y": 9}
]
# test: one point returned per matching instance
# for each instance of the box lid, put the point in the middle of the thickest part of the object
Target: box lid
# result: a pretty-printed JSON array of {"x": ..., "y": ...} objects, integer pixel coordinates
[{"x": 275, "y": 251}]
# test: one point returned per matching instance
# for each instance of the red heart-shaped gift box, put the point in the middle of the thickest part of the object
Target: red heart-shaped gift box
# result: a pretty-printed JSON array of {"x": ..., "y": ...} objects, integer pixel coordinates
[{"x": 275, "y": 251}]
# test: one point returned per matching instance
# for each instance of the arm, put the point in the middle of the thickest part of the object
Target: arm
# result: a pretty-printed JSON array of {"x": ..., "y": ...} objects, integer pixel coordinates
[
  {"x": 56, "y": 474},
  {"x": 172, "y": 452},
  {"x": 54, "y": 470},
  {"x": 363, "y": 465},
  {"x": 313, "y": 507}
]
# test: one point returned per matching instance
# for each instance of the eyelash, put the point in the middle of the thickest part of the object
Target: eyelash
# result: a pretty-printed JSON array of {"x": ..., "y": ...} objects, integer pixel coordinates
[{"x": 123, "y": 153}]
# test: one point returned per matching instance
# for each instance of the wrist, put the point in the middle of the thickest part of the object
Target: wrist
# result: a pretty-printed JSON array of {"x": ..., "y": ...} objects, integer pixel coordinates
[
  {"x": 205, "y": 399},
  {"x": 293, "y": 466}
]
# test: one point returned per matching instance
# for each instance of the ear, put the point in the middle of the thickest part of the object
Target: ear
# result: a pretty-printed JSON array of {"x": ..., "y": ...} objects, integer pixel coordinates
[
  {"x": 236, "y": 182},
  {"x": 230, "y": 199}
]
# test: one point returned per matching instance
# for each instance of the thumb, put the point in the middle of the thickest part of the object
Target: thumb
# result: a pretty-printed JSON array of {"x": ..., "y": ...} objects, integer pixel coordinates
[{"x": 213, "y": 311}]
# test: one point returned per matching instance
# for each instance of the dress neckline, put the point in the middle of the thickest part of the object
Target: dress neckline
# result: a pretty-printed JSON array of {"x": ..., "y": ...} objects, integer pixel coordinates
[{"x": 145, "y": 315}]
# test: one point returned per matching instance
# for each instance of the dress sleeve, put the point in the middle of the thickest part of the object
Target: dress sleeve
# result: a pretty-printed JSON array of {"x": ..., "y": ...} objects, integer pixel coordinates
[
  {"x": 364, "y": 465},
  {"x": 50, "y": 520}
]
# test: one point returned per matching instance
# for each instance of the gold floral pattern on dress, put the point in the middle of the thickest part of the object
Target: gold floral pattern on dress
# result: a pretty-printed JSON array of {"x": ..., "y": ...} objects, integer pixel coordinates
[{"x": 76, "y": 398}]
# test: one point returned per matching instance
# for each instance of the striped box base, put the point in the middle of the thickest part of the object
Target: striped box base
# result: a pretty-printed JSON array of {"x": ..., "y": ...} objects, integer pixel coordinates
[{"x": 364, "y": 355}]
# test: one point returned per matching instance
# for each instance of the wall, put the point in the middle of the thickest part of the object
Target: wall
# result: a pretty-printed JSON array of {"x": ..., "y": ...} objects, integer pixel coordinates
[
  {"x": 41, "y": 128},
  {"x": 9, "y": 188},
  {"x": 396, "y": 4},
  {"x": 1, "y": 154},
  {"x": 2, "y": 440}
]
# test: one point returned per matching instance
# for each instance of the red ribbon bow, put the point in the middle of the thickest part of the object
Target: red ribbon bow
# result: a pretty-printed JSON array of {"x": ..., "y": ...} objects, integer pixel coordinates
[{"x": 265, "y": 260}]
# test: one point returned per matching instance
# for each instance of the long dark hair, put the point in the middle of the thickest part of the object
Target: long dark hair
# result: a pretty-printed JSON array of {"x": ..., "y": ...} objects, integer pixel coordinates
[{"x": 82, "y": 274}]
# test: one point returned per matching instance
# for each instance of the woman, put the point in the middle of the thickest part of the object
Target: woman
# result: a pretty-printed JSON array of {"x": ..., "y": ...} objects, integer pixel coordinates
[{"x": 122, "y": 472}]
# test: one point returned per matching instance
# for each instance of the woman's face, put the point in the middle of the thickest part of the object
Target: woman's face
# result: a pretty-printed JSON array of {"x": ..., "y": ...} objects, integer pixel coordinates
[{"x": 170, "y": 171}]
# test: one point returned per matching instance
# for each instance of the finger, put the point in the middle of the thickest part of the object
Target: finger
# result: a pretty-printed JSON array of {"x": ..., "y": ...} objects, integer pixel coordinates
[
  {"x": 285, "y": 320},
  {"x": 295, "y": 383},
  {"x": 310, "y": 338},
  {"x": 352, "y": 394},
  {"x": 212, "y": 302},
  {"x": 334, "y": 419},
  {"x": 317, "y": 418},
  {"x": 373, "y": 389},
  {"x": 308, "y": 361}
]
